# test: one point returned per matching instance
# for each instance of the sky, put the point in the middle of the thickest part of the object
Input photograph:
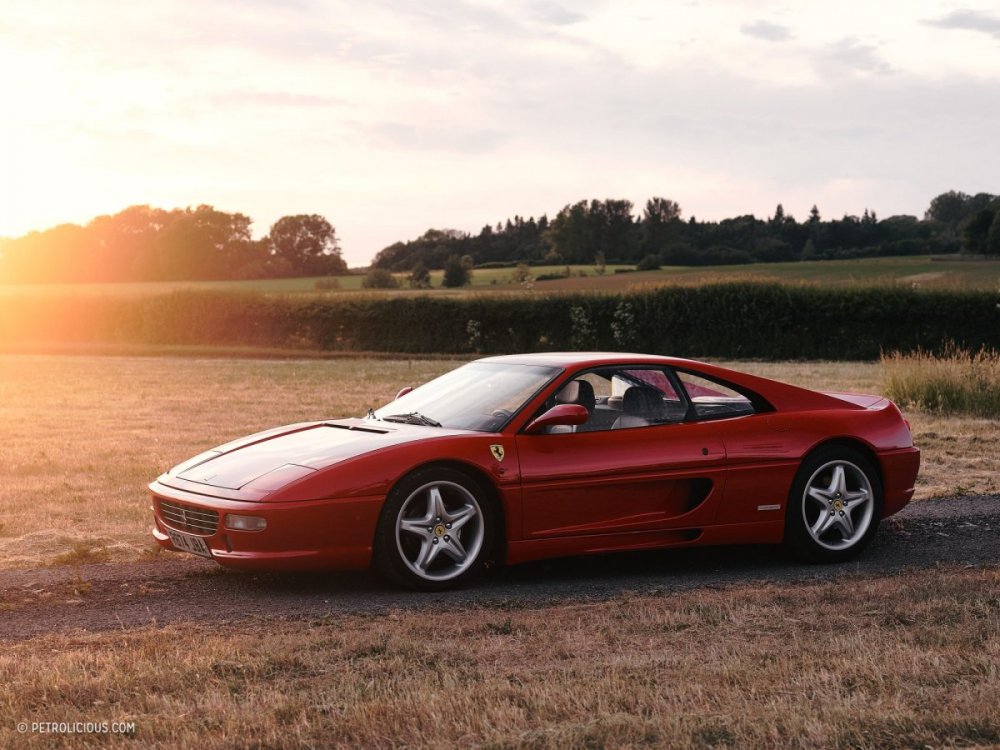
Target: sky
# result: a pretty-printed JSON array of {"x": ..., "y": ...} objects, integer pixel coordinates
[{"x": 390, "y": 118}]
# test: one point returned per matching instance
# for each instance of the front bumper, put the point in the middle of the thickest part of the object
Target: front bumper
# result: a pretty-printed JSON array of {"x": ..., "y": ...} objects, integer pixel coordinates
[{"x": 327, "y": 534}]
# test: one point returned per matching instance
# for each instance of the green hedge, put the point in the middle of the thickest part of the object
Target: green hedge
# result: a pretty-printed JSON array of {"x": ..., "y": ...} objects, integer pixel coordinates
[{"x": 770, "y": 321}]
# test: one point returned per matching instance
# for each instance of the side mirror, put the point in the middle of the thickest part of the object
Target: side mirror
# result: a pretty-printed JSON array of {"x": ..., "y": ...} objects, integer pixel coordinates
[
  {"x": 403, "y": 391},
  {"x": 562, "y": 414}
]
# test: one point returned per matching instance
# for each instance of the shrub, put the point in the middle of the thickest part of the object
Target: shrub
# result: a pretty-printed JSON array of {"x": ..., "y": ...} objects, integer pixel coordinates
[
  {"x": 648, "y": 263},
  {"x": 743, "y": 319},
  {"x": 456, "y": 273},
  {"x": 420, "y": 277},
  {"x": 380, "y": 278},
  {"x": 522, "y": 273}
]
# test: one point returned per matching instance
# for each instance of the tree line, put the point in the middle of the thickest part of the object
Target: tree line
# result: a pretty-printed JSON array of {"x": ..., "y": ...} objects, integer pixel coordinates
[
  {"x": 608, "y": 231},
  {"x": 143, "y": 243}
]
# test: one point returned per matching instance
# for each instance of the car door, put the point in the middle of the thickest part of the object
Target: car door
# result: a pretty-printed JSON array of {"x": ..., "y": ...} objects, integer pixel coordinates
[{"x": 621, "y": 479}]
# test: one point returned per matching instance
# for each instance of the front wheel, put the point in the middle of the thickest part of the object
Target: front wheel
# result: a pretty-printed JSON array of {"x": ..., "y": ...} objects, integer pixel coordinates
[
  {"x": 435, "y": 529},
  {"x": 834, "y": 507}
]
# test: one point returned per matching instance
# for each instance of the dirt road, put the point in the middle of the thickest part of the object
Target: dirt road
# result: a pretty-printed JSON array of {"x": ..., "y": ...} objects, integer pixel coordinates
[{"x": 174, "y": 587}]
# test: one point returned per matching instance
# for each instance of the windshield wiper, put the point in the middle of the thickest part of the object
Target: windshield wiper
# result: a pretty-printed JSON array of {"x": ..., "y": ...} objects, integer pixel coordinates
[{"x": 414, "y": 417}]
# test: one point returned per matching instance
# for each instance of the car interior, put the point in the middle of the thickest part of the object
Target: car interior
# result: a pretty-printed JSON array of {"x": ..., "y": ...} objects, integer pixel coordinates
[{"x": 624, "y": 398}]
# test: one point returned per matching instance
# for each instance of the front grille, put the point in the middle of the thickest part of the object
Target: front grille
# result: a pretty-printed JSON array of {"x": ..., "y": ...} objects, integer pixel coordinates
[{"x": 189, "y": 518}]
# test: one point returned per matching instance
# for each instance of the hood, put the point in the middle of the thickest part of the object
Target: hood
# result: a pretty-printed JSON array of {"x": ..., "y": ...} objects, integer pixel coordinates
[{"x": 269, "y": 460}]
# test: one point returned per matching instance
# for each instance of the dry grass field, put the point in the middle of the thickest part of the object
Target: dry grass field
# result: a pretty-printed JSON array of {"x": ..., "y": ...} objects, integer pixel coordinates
[
  {"x": 84, "y": 435},
  {"x": 909, "y": 661},
  {"x": 904, "y": 661}
]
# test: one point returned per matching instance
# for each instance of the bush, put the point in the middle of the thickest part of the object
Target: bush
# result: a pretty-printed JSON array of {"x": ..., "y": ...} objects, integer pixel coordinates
[
  {"x": 420, "y": 277},
  {"x": 648, "y": 263},
  {"x": 380, "y": 278},
  {"x": 456, "y": 272},
  {"x": 744, "y": 319},
  {"x": 522, "y": 273}
]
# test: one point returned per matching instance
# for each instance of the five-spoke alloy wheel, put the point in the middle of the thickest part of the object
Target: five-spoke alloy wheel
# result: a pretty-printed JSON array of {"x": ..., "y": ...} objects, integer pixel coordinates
[
  {"x": 435, "y": 528},
  {"x": 834, "y": 507}
]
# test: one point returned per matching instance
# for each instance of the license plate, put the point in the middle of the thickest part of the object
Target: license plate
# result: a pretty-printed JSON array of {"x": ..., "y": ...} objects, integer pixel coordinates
[{"x": 189, "y": 543}]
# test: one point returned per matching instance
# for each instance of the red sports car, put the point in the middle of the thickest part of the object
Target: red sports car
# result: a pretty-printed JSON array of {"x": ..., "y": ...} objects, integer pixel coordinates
[{"x": 524, "y": 457}]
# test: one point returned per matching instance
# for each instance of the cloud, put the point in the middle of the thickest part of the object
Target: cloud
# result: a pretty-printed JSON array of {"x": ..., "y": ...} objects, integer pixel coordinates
[
  {"x": 556, "y": 15},
  {"x": 853, "y": 55},
  {"x": 275, "y": 99},
  {"x": 769, "y": 32},
  {"x": 968, "y": 20},
  {"x": 461, "y": 140}
]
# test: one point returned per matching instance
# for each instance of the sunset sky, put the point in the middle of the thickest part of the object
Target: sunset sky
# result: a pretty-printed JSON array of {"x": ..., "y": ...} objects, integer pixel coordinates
[{"x": 389, "y": 117}]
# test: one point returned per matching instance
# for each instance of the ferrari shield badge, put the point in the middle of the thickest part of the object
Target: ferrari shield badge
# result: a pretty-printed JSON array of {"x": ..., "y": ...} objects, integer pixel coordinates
[{"x": 497, "y": 451}]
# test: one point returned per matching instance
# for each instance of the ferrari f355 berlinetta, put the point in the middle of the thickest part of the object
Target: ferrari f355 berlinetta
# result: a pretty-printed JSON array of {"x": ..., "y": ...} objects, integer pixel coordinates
[{"x": 523, "y": 457}]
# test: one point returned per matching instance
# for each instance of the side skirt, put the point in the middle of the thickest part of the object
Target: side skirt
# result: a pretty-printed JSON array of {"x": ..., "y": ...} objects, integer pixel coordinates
[{"x": 760, "y": 532}]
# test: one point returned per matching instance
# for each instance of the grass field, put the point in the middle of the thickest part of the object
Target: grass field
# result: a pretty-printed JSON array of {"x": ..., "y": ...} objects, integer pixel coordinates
[
  {"x": 84, "y": 435},
  {"x": 901, "y": 662},
  {"x": 484, "y": 279},
  {"x": 904, "y": 661},
  {"x": 920, "y": 271}
]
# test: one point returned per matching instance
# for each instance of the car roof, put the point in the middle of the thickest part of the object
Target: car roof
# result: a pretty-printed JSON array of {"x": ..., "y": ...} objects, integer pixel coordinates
[{"x": 587, "y": 359}]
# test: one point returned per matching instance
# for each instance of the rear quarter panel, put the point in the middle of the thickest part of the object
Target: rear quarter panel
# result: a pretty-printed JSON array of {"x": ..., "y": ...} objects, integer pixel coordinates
[{"x": 764, "y": 452}]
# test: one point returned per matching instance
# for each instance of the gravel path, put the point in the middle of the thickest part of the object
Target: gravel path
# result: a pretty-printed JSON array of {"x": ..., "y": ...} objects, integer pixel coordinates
[{"x": 183, "y": 588}]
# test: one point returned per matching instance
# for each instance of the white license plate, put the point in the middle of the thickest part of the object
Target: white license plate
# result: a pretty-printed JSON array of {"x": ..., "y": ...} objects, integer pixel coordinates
[{"x": 189, "y": 543}]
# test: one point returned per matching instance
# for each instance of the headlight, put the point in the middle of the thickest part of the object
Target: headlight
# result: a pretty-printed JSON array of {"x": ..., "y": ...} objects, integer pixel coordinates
[{"x": 236, "y": 522}]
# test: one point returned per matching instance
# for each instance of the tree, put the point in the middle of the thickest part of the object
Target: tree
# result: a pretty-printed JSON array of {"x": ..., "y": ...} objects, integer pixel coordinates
[
  {"x": 570, "y": 235},
  {"x": 948, "y": 208},
  {"x": 619, "y": 235},
  {"x": 992, "y": 246},
  {"x": 977, "y": 231},
  {"x": 420, "y": 277},
  {"x": 661, "y": 210},
  {"x": 814, "y": 217},
  {"x": 204, "y": 243},
  {"x": 309, "y": 243},
  {"x": 455, "y": 273},
  {"x": 125, "y": 243}
]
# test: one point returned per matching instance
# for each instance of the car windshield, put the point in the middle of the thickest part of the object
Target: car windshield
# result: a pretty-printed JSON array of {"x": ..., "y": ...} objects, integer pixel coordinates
[{"x": 479, "y": 396}]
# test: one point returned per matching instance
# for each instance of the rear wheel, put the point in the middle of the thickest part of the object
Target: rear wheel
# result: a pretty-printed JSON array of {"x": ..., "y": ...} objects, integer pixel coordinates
[
  {"x": 436, "y": 528},
  {"x": 834, "y": 507}
]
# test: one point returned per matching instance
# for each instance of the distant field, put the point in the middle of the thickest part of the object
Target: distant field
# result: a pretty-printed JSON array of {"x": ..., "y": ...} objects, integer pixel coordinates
[
  {"x": 918, "y": 271},
  {"x": 84, "y": 435},
  {"x": 484, "y": 279}
]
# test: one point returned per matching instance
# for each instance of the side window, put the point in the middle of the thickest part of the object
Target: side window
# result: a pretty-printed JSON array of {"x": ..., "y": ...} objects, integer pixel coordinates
[
  {"x": 601, "y": 385},
  {"x": 656, "y": 378},
  {"x": 713, "y": 400},
  {"x": 623, "y": 397}
]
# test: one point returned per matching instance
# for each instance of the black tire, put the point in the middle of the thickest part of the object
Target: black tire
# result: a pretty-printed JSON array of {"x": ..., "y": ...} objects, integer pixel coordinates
[
  {"x": 827, "y": 520},
  {"x": 410, "y": 530}
]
